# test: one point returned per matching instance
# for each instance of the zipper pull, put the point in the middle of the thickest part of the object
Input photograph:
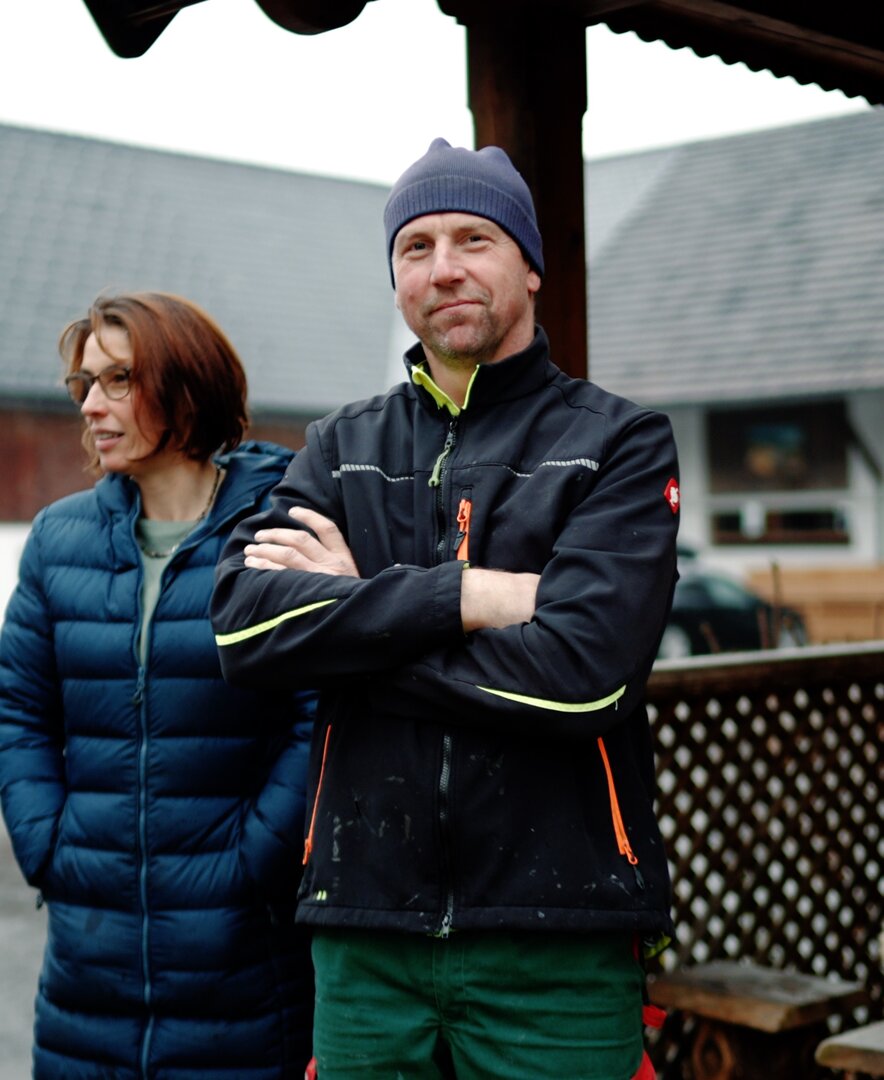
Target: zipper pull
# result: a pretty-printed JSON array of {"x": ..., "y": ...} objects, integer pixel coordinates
[
  {"x": 138, "y": 696},
  {"x": 308, "y": 843},
  {"x": 462, "y": 540},
  {"x": 620, "y": 833},
  {"x": 436, "y": 477}
]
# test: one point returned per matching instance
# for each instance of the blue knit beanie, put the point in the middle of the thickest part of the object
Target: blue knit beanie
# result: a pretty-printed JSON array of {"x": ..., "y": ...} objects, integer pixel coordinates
[{"x": 483, "y": 182}]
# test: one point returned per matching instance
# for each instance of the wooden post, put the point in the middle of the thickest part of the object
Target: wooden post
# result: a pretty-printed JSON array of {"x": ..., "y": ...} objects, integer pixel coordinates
[{"x": 527, "y": 92}]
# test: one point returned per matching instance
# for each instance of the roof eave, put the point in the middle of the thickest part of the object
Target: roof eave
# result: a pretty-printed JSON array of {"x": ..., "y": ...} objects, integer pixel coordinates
[{"x": 843, "y": 51}]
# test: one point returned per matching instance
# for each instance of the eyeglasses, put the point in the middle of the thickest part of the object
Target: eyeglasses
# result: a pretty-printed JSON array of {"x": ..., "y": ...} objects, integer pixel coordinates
[{"x": 115, "y": 383}]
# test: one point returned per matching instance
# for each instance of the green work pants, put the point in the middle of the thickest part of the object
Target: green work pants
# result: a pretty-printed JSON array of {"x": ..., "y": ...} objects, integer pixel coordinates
[{"x": 476, "y": 1006}]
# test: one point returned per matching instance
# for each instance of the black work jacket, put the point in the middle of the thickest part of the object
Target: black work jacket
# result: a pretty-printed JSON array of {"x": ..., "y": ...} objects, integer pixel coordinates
[{"x": 502, "y": 778}]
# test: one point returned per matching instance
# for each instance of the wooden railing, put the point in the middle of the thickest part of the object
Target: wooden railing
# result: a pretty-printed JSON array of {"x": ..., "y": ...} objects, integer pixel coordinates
[{"x": 771, "y": 801}]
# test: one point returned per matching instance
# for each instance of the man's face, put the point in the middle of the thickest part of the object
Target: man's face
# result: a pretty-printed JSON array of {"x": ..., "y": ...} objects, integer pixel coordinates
[{"x": 464, "y": 287}]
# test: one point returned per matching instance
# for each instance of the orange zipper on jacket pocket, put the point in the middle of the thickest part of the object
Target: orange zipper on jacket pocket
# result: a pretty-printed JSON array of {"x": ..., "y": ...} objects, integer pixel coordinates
[
  {"x": 308, "y": 843},
  {"x": 623, "y": 844},
  {"x": 464, "y": 512}
]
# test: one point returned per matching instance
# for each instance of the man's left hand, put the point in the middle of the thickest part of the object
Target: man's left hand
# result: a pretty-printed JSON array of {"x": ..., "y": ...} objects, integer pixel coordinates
[{"x": 297, "y": 549}]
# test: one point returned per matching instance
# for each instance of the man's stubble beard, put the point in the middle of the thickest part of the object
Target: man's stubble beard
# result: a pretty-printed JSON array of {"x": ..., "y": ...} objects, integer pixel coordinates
[{"x": 487, "y": 340}]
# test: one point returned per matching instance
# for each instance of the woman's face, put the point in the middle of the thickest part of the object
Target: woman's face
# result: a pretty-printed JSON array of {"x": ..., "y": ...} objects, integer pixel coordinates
[{"x": 123, "y": 440}]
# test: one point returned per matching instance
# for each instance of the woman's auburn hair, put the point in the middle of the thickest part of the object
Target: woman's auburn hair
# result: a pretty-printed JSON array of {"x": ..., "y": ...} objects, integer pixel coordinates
[{"x": 186, "y": 375}]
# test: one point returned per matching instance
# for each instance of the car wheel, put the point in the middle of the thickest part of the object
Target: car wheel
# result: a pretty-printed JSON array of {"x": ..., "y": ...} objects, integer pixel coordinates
[{"x": 674, "y": 644}]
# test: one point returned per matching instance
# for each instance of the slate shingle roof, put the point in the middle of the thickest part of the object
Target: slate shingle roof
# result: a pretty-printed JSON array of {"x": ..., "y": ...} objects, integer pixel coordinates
[
  {"x": 292, "y": 266},
  {"x": 732, "y": 269},
  {"x": 753, "y": 267}
]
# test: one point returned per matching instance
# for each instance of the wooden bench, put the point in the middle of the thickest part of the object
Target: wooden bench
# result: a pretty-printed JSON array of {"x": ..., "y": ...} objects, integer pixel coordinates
[
  {"x": 753, "y": 1021},
  {"x": 858, "y": 1051}
]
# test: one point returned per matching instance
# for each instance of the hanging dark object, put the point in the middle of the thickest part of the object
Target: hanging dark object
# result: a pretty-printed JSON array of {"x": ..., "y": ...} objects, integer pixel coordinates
[
  {"x": 312, "y": 16},
  {"x": 130, "y": 27}
]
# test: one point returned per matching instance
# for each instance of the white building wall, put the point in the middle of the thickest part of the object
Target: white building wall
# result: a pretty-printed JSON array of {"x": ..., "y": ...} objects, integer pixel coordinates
[
  {"x": 862, "y": 502},
  {"x": 867, "y": 417},
  {"x": 687, "y": 426},
  {"x": 12, "y": 541}
]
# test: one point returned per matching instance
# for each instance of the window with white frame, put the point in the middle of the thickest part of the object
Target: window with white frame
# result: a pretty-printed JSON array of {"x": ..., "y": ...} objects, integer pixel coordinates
[{"x": 773, "y": 471}]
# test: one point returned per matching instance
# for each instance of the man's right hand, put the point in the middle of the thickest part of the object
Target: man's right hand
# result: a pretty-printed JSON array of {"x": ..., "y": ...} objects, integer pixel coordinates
[{"x": 493, "y": 599}]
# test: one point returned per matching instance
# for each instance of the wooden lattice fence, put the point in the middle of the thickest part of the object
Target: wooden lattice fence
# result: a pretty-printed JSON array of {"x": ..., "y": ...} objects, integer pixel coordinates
[{"x": 771, "y": 770}]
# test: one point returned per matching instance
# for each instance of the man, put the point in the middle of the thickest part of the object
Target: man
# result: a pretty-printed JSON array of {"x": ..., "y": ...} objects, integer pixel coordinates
[{"x": 477, "y": 567}]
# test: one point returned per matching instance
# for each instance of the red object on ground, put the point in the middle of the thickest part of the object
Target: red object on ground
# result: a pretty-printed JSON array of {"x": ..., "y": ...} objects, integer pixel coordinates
[
  {"x": 653, "y": 1016},
  {"x": 646, "y": 1070}
]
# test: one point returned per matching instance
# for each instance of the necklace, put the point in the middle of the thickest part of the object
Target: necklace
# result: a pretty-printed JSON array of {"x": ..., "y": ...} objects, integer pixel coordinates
[{"x": 165, "y": 554}]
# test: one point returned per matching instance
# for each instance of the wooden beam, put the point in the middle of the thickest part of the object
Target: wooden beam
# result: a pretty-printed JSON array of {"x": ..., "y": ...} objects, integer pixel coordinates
[{"x": 527, "y": 92}]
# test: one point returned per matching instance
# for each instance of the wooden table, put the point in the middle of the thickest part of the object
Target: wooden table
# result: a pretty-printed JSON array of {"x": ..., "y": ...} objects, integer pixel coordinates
[
  {"x": 754, "y": 1021},
  {"x": 858, "y": 1051}
]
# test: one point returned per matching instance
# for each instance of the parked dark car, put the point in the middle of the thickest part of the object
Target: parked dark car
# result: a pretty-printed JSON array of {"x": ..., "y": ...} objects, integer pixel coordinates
[{"x": 713, "y": 613}]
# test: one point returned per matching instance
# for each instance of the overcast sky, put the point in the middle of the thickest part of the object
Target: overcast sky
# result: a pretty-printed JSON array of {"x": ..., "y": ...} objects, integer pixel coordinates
[{"x": 361, "y": 102}]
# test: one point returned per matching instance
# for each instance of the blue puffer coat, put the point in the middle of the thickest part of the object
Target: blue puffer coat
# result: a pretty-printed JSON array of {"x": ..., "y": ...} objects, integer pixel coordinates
[{"x": 160, "y": 811}]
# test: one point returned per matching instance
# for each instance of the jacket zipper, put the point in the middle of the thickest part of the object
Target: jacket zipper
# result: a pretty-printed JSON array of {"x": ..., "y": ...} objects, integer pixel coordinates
[
  {"x": 143, "y": 747},
  {"x": 308, "y": 843},
  {"x": 445, "y": 829},
  {"x": 143, "y": 751},
  {"x": 436, "y": 481},
  {"x": 138, "y": 699},
  {"x": 623, "y": 844}
]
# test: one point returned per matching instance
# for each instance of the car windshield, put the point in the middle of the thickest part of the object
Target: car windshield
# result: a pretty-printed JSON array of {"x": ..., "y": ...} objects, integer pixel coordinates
[
  {"x": 702, "y": 591},
  {"x": 727, "y": 594}
]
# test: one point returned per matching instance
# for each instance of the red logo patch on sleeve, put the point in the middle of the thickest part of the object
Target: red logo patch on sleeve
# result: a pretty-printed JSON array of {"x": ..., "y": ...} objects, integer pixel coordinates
[{"x": 672, "y": 495}]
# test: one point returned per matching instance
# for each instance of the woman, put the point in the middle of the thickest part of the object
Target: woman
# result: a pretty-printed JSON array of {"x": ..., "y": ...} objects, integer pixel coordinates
[{"x": 159, "y": 811}]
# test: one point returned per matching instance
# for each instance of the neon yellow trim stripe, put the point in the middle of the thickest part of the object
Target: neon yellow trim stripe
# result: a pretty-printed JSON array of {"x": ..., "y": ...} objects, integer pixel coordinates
[
  {"x": 421, "y": 377},
  {"x": 262, "y": 628},
  {"x": 466, "y": 399},
  {"x": 558, "y": 706}
]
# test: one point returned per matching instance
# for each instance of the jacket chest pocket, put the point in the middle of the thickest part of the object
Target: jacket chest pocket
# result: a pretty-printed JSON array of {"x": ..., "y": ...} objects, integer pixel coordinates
[{"x": 515, "y": 527}]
